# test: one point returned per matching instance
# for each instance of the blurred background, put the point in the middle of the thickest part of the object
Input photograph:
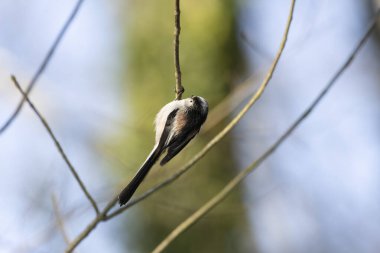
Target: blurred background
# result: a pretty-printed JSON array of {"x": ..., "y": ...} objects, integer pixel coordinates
[{"x": 113, "y": 71}]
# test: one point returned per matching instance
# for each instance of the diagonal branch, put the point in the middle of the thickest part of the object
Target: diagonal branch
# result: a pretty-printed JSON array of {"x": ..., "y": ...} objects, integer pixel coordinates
[
  {"x": 230, "y": 103},
  {"x": 226, "y": 130},
  {"x": 102, "y": 216},
  {"x": 177, "y": 30},
  {"x": 43, "y": 65},
  {"x": 57, "y": 144},
  {"x": 217, "y": 199}
]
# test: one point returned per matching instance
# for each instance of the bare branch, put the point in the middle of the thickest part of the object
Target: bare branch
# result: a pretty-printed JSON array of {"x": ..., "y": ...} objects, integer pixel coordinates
[
  {"x": 43, "y": 65},
  {"x": 58, "y": 145},
  {"x": 230, "y": 103},
  {"x": 90, "y": 227},
  {"x": 217, "y": 199},
  {"x": 177, "y": 30},
  {"x": 60, "y": 222}
]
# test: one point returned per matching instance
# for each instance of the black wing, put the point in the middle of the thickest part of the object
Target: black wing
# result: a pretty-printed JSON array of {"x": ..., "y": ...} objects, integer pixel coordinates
[
  {"x": 178, "y": 144},
  {"x": 193, "y": 125}
]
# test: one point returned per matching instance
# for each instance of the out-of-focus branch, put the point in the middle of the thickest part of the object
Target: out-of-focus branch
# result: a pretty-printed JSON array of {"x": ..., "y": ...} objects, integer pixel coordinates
[
  {"x": 254, "y": 48},
  {"x": 60, "y": 222},
  {"x": 226, "y": 130},
  {"x": 58, "y": 145},
  {"x": 229, "y": 104},
  {"x": 43, "y": 65},
  {"x": 235, "y": 98},
  {"x": 217, "y": 199},
  {"x": 102, "y": 216},
  {"x": 177, "y": 30}
]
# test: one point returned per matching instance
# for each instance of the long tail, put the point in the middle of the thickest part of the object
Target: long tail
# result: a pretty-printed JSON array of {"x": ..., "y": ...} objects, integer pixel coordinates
[{"x": 130, "y": 189}]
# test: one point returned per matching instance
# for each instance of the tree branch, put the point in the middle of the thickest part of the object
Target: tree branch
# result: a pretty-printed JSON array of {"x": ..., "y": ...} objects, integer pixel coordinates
[
  {"x": 60, "y": 223},
  {"x": 57, "y": 144},
  {"x": 102, "y": 216},
  {"x": 43, "y": 65},
  {"x": 230, "y": 103},
  {"x": 217, "y": 199},
  {"x": 177, "y": 30}
]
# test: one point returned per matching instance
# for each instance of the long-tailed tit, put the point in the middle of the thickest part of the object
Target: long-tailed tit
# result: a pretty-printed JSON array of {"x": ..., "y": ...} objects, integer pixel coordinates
[{"x": 176, "y": 125}]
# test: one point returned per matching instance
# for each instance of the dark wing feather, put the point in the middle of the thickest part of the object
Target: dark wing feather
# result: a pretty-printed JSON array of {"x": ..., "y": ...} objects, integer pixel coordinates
[
  {"x": 127, "y": 193},
  {"x": 194, "y": 121},
  {"x": 178, "y": 144}
]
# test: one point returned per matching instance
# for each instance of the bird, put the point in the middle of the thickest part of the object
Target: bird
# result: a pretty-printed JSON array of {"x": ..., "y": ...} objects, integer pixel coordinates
[{"x": 176, "y": 124}]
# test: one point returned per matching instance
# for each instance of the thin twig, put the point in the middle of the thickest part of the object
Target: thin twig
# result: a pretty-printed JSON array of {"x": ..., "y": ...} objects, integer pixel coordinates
[
  {"x": 254, "y": 47},
  {"x": 177, "y": 30},
  {"x": 217, "y": 199},
  {"x": 226, "y": 130},
  {"x": 104, "y": 216},
  {"x": 229, "y": 104},
  {"x": 234, "y": 99},
  {"x": 90, "y": 227},
  {"x": 60, "y": 222},
  {"x": 58, "y": 145},
  {"x": 43, "y": 65}
]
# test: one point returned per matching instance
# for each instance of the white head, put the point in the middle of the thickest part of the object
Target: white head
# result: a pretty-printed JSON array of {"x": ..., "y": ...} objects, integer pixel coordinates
[{"x": 196, "y": 102}]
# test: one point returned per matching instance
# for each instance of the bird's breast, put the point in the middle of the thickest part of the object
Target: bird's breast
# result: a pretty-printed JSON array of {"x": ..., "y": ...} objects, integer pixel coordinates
[{"x": 180, "y": 122}]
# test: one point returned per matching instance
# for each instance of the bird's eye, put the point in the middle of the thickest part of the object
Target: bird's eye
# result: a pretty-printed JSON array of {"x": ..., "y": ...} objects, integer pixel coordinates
[{"x": 191, "y": 101}]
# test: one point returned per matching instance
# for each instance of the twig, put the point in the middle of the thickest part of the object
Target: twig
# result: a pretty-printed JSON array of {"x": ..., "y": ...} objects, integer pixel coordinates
[
  {"x": 43, "y": 65},
  {"x": 60, "y": 223},
  {"x": 177, "y": 30},
  {"x": 58, "y": 145},
  {"x": 235, "y": 98},
  {"x": 217, "y": 199},
  {"x": 254, "y": 47},
  {"x": 104, "y": 216},
  {"x": 90, "y": 227},
  {"x": 226, "y": 130}
]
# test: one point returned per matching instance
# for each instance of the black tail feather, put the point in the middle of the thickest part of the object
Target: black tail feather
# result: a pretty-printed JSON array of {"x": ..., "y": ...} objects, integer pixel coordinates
[{"x": 127, "y": 193}]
